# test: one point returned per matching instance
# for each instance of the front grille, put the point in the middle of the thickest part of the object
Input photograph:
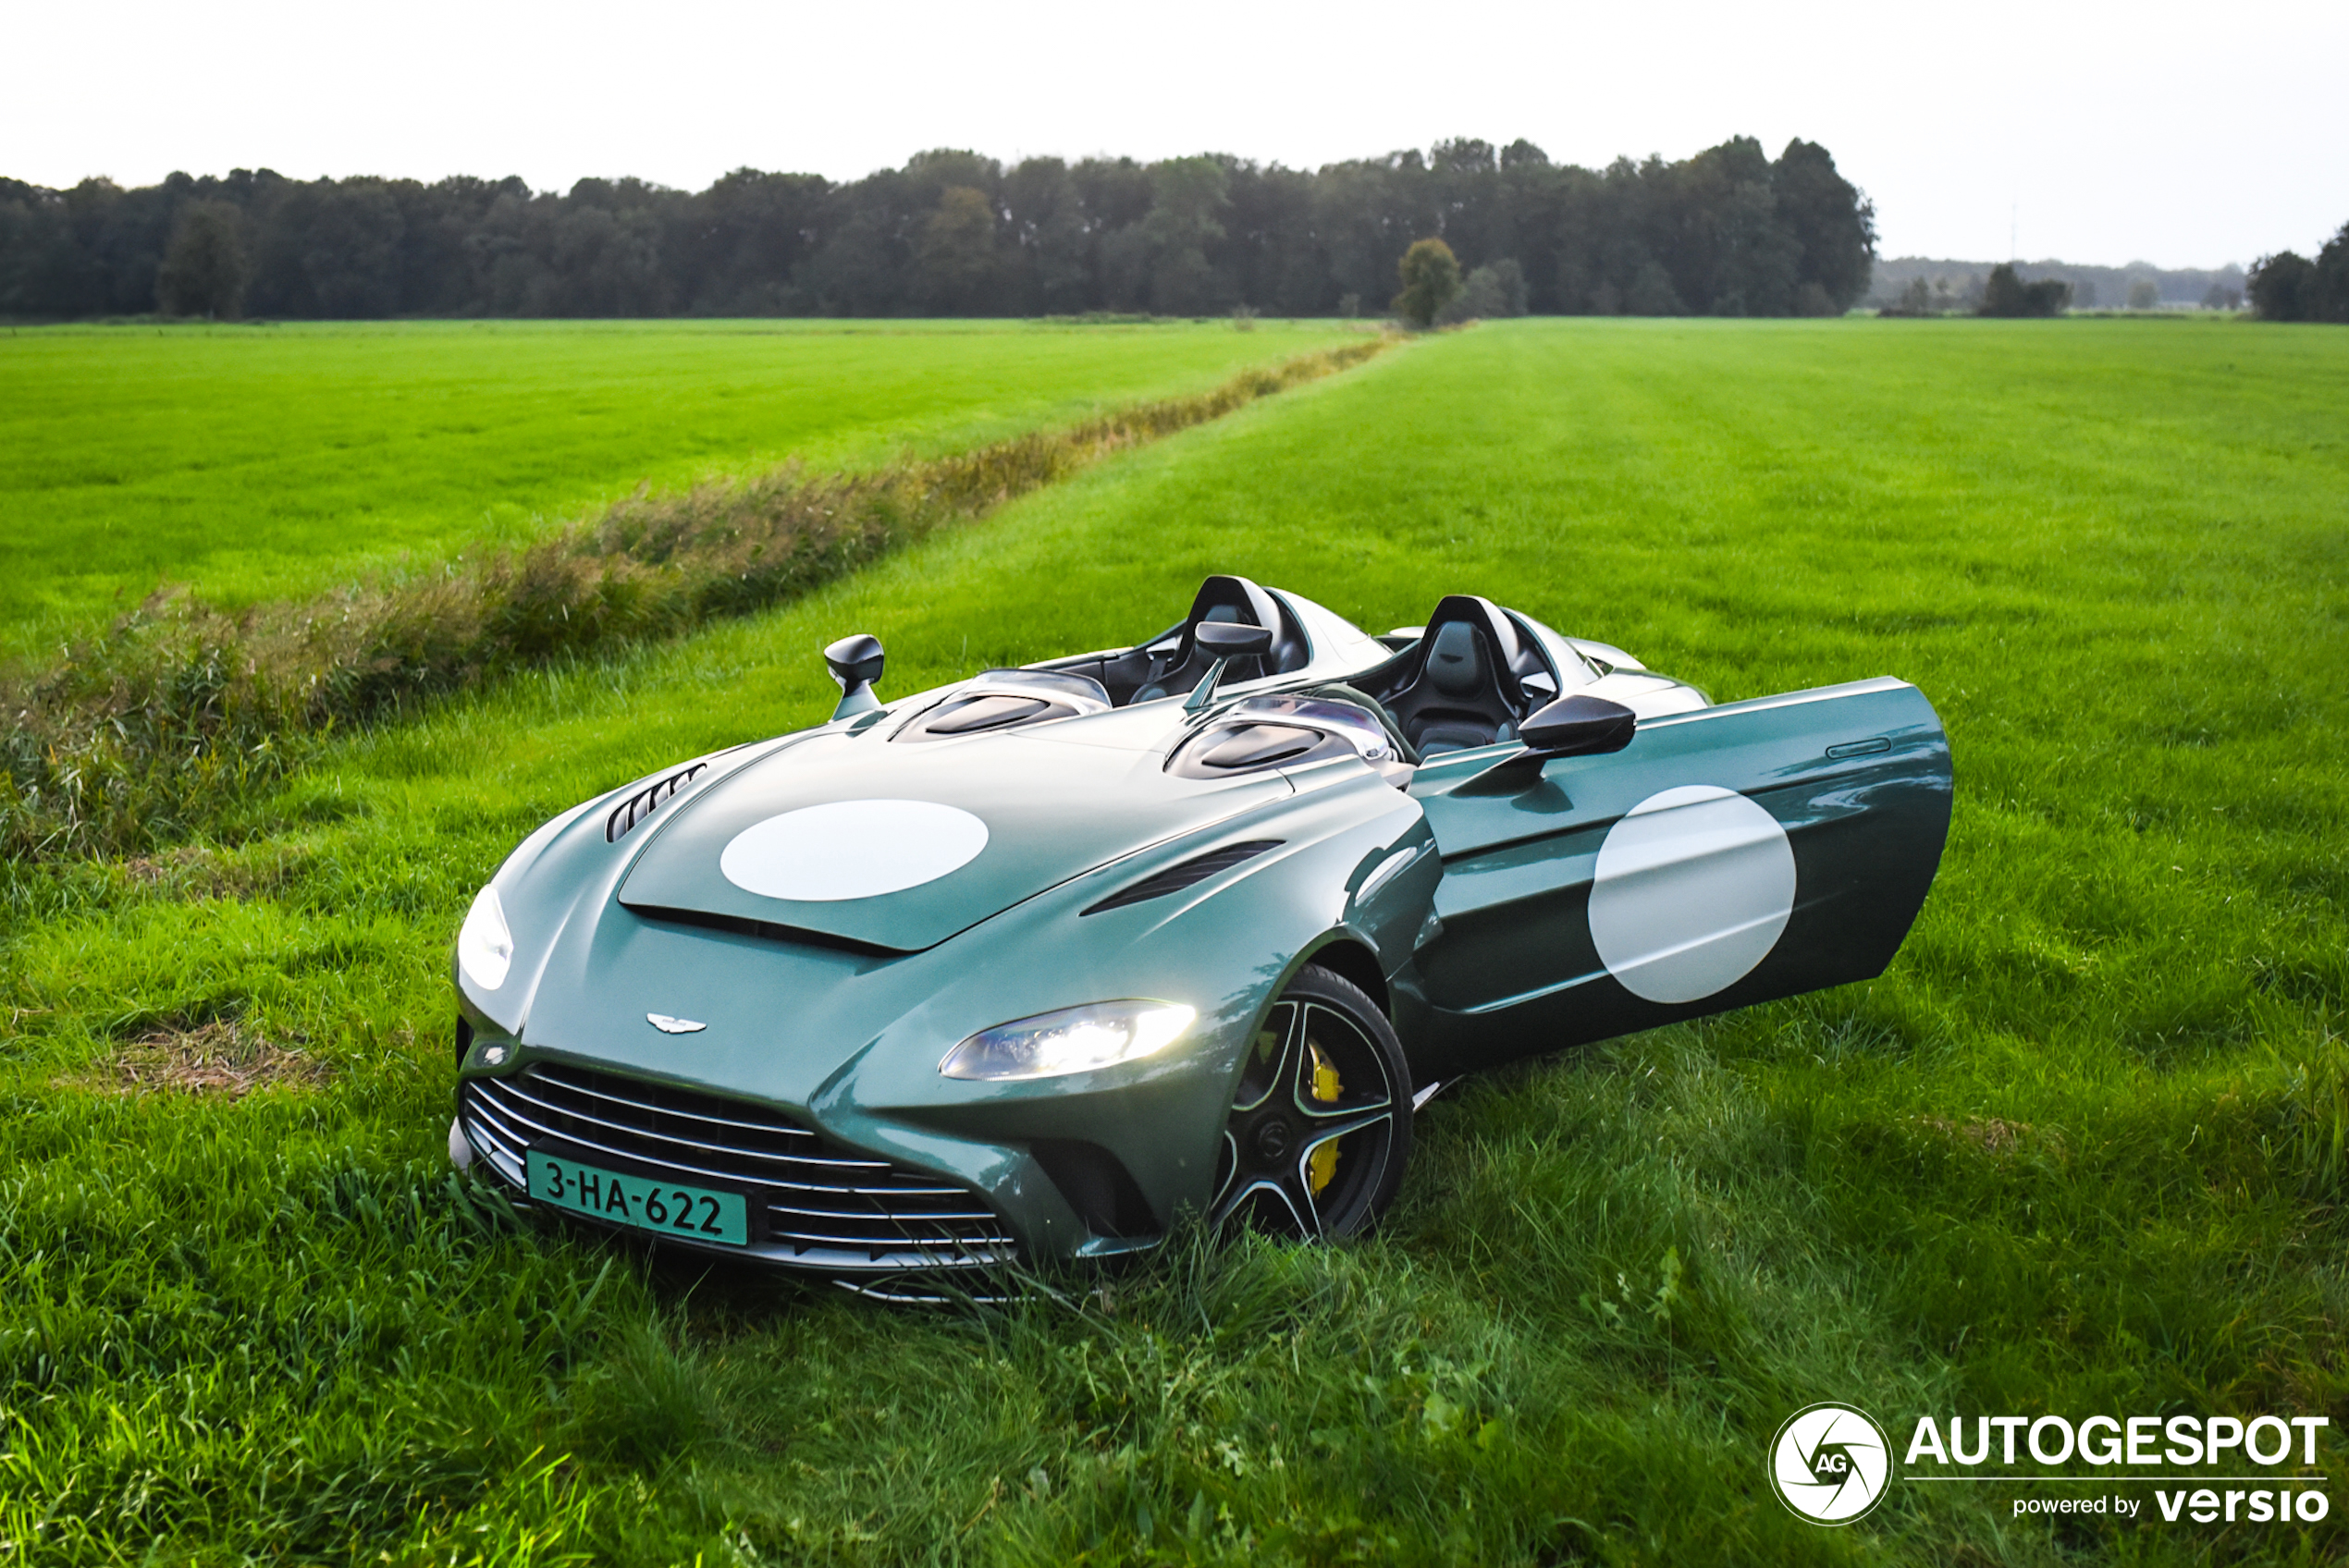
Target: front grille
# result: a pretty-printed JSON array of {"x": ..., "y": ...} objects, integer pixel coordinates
[{"x": 825, "y": 1207}]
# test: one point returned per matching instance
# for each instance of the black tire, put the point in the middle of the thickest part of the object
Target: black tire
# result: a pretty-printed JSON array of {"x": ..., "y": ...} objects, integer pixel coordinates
[{"x": 1320, "y": 1122}]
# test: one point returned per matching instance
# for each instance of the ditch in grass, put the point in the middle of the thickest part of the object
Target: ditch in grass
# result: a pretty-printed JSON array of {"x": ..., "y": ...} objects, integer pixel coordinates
[{"x": 183, "y": 713}]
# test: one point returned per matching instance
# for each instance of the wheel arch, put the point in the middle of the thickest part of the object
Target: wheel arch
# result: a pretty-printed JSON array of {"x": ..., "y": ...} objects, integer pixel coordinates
[{"x": 1349, "y": 957}]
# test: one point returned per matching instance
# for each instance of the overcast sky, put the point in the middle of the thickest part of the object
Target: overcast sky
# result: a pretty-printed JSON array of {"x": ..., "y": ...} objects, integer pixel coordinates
[{"x": 2186, "y": 135}]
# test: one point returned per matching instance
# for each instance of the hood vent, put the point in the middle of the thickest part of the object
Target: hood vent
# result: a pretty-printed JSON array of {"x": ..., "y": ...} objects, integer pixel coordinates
[
  {"x": 1189, "y": 873},
  {"x": 998, "y": 699},
  {"x": 645, "y": 801}
]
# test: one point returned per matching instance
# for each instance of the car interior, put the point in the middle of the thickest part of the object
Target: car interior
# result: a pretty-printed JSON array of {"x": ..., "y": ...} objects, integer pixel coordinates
[
  {"x": 1172, "y": 663},
  {"x": 1469, "y": 680}
]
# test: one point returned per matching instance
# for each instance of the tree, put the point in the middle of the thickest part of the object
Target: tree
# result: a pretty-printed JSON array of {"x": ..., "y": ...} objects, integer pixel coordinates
[
  {"x": 1489, "y": 293},
  {"x": 330, "y": 249},
  {"x": 1651, "y": 293},
  {"x": 2281, "y": 287},
  {"x": 2329, "y": 285},
  {"x": 958, "y": 251},
  {"x": 2006, "y": 294},
  {"x": 1431, "y": 276},
  {"x": 1725, "y": 230},
  {"x": 1829, "y": 220},
  {"x": 1189, "y": 196},
  {"x": 739, "y": 244},
  {"x": 2143, "y": 294},
  {"x": 204, "y": 270},
  {"x": 1915, "y": 298},
  {"x": 1054, "y": 246}
]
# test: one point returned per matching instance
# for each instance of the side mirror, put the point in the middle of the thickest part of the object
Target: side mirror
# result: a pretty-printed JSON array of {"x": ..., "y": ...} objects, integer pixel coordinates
[
  {"x": 856, "y": 662},
  {"x": 1230, "y": 640},
  {"x": 1223, "y": 641},
  {"x": 1578, "y": 725}
]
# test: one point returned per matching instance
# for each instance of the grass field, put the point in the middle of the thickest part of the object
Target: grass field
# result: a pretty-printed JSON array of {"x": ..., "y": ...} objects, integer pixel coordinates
[
  {"x": 263, "y": 461},
  {"x": 2081, "y": 1150}
]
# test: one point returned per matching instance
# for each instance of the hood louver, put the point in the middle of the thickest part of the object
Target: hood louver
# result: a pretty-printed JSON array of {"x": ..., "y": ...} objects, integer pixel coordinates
[
  {"x": 1190, "y": 873},
  {"x": 645, "y": 801}
]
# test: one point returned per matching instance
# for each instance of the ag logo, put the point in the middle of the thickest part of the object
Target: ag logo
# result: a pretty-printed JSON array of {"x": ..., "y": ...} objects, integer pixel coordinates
[{"x": 1829, "y": 1463}]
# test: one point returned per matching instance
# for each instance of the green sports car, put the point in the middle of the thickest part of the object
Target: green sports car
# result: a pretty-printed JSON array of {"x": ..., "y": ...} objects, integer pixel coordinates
[{"x": 1029, "y": 966}]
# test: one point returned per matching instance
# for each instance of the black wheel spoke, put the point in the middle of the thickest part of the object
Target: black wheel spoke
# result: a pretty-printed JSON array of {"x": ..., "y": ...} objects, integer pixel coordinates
[
  {"x": 1288, "y": 1026},
  {"x": 1317, "y": 1129},
  {"x": 1346, "y": 1127},
  {"x": 1292, "y": 1197},
  {"x": 1231, "y": 1173},
  {"x": 1298, "y": 1192},
  {"x": 1298, "y": 1074}
]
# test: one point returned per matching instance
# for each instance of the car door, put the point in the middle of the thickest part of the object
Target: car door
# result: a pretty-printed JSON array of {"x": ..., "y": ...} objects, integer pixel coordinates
[{"x": 1722, "y": 857}]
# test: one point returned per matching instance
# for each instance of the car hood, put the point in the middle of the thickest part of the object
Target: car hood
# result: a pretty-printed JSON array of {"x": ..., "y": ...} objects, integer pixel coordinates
[{"x": 1054, "y": 800}]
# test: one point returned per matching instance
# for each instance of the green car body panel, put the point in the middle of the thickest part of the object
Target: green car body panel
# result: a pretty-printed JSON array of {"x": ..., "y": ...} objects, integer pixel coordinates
[{"x": 1486, "y": 896}]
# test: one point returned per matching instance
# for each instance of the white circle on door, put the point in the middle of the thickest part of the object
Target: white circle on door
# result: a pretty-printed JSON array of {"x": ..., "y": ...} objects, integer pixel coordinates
[
  {"x": 1692, "y": 889},
  {"x": 852, "y": 850}
]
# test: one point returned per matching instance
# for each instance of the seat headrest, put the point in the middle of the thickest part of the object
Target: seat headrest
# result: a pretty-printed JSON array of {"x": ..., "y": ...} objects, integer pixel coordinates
[
  {"x": 1454, "y": 663},
  {"x": 1234, "y": 598},
  {"x": 1470, "y": 643}
]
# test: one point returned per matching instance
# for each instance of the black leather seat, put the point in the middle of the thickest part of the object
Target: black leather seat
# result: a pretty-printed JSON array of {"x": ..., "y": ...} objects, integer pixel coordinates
[
  {"x": 1458, "y": 687},
  {"x": 1234, "y": 599}
]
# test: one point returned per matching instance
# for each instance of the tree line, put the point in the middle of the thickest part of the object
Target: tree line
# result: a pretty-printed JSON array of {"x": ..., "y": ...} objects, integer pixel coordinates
[
  {"x": 2289, "y": 287},
  {"x": 1730, "y": 231}
]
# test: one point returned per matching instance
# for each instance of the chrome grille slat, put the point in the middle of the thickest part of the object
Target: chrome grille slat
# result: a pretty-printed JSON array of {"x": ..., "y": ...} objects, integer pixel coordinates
[
  {"x": 878, "y": 1227},
  {"x": 834, "y": 1214},
  {"x": 484, "y": 1112},
  {"x": 574, "y": 1139},
  {"x": 881, "y": 1246},
  {"x": 825, "y": 1208},
  {"x": 500, "y": 1144},
  {"x": 542, "y": 1082},
  {"x": 799, "y": 1133},
  {"x": 554, "y": 1109},
  {"x": 756, "y": 1178}
]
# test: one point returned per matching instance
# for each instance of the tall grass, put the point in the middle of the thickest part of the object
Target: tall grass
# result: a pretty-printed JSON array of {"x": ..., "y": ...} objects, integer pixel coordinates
[{"x": 168, "y": 722}]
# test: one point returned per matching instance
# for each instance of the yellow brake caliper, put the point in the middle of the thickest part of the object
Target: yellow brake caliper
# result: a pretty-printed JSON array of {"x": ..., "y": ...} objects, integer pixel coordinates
[{"x": 1322, "y": 1164}]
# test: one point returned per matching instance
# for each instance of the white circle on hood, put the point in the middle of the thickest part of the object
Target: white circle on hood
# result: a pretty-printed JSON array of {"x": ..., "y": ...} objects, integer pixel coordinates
[
  {"x": 852, "y": 850},
  {"x": 1691, "y": 891}
]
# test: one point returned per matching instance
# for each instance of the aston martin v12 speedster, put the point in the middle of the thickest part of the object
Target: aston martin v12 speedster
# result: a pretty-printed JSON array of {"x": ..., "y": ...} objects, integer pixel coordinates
[{"x": 1027, "y": 966}]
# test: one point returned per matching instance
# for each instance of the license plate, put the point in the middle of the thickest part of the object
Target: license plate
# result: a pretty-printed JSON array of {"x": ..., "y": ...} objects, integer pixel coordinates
[{"x": 667, "y": 1208}]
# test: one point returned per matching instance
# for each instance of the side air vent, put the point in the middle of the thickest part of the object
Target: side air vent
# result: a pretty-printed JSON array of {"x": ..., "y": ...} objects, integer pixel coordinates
[
  {"x": 1190, "y": 873},
  {"x": 645, "y": 801}
]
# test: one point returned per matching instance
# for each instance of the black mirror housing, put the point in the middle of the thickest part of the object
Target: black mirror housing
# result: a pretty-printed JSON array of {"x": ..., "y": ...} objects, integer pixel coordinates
[
  {"x": 856, "y": 662},
  {"x": 1230, "y": 640},
  {"x": 1578, "y": 725},
  {"x": 855, "y": 658}
]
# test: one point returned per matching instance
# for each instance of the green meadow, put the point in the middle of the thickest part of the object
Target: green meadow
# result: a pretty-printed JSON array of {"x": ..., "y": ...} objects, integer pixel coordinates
[
  {"x": 2082, "y": 1149},
  {"x": 254, "y": 461}
]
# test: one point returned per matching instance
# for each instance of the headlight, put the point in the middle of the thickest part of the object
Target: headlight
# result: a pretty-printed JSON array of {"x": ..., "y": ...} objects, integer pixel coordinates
[
  {"x": 484, "y": 948},
  {"x": 1076, "y": 1039}
]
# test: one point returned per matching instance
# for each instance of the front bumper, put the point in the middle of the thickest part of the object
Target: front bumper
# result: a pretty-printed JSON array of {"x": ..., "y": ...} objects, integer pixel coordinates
[{"x": 814, "y": 1206}]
